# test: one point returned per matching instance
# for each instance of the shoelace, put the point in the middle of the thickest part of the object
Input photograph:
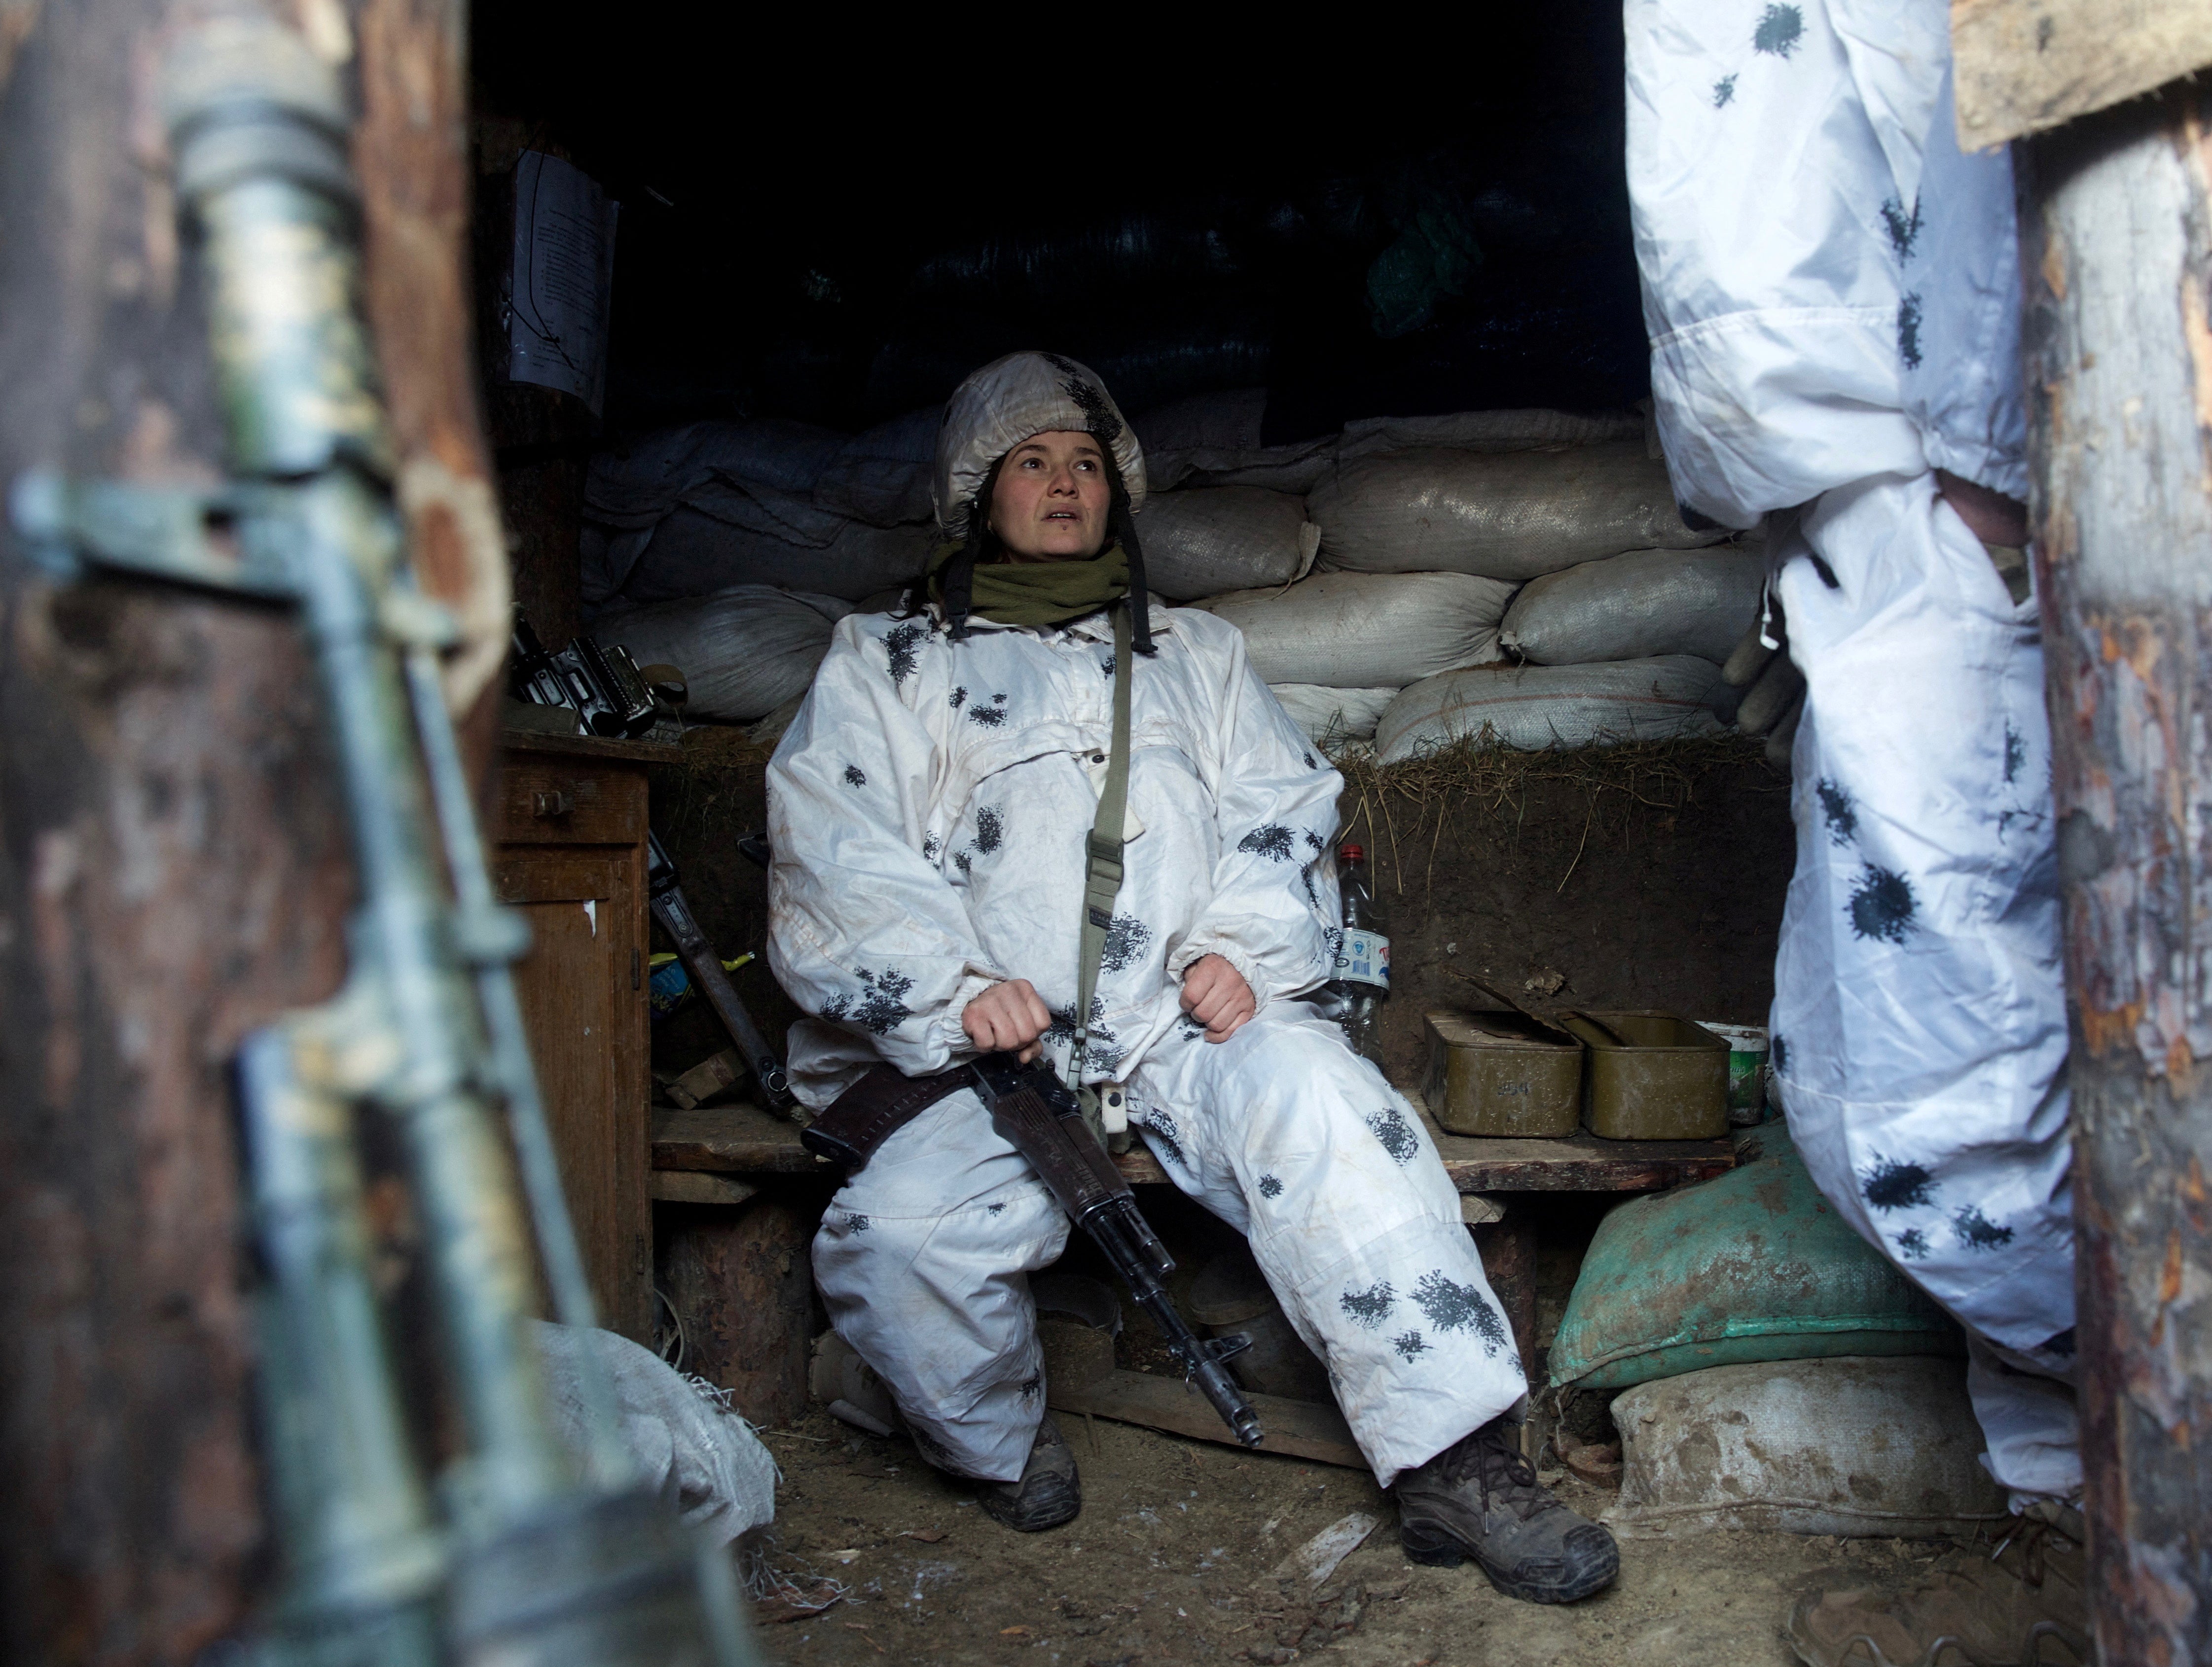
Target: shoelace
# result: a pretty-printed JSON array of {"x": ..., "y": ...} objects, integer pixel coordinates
[
  {"x": 1501, "y": 1472},
  {"x": 2032, "y": 1535}
]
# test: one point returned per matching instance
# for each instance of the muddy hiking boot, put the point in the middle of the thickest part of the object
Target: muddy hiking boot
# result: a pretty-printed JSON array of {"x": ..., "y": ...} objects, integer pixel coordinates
[
  {"x": 1479, "y": 1498},
  {"x": 1048, "y": 1493},
  {"x": 2026, "y": 1606}
]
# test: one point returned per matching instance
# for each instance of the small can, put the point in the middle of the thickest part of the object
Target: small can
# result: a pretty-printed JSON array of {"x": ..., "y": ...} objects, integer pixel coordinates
[{"x": 1746, "y": 1091}]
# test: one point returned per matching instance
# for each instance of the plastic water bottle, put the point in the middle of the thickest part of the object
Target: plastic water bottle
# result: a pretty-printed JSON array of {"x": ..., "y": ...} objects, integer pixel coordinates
[{"x": 1363, "y": 963}]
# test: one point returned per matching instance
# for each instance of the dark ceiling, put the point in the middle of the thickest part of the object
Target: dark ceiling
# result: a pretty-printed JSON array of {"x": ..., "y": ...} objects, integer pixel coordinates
[{"x": 836, "y": 221}]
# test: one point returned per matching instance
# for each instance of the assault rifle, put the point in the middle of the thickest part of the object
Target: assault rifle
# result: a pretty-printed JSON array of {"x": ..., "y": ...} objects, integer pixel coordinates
[
  {"x": 673, "y": 910},
  {"x": 1034, "y": 1112},
  {"x": 528, "y": 1553},
  {"x": 602, "y": 686}
]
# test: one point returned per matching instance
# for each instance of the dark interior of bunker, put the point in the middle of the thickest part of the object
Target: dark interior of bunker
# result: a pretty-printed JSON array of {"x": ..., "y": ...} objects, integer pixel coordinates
[{"x": 719, "y": 319}]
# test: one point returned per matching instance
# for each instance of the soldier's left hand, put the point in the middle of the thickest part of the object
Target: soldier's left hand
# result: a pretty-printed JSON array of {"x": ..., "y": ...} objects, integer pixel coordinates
[{"x": 1215, "y": 994}]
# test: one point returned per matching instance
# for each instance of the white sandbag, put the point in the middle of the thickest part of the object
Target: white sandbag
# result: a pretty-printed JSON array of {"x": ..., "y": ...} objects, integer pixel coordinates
[
  {"x": 1486, "y": 431},
  {"x": 606, "y": 555},
  {"x": 692, "y": 553},
  {"x": 1367, "y": 630},
  {"x": 1213, "y": 440},
  {"x": 1218, "y": 538},
  {"x": 882, "y": 477},
  {"x": 635, "y": 485},
  {"x": 1503, "y": 514},
  {"x": 704, "y": 1458},
  {"x": 1334, "y": 715},
  {"x": 1858, "y": 1445},
  {"x": 744, "y": 650},
  {"x": 1536, "y": 708},
  {"x": 1630, "y": 607}
]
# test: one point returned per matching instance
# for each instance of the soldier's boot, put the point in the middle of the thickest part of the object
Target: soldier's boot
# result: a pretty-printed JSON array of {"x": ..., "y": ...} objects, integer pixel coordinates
[
  {"x": 1048, "y": 1493},
  {"x": 2024, "y": 1607},
  {"x": 1479, "y": 1498}
]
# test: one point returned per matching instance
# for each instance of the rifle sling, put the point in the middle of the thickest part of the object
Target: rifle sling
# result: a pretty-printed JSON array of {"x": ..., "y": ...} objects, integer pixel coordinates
[
  {"x": 1102, "y": 872},
  {"x": 883, "y": 1102}
]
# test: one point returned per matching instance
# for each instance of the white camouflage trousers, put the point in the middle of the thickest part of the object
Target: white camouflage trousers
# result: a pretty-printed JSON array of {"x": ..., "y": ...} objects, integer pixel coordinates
[
  {"x": 1919, "y": 1022},
  {"x": 1283, "y": 1132}
]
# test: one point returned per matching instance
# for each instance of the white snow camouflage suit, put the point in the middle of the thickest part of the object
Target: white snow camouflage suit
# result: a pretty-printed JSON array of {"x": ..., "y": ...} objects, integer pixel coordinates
[
  {"x": 1832, "y": 290},
  {"x": 928, "y": 809}
]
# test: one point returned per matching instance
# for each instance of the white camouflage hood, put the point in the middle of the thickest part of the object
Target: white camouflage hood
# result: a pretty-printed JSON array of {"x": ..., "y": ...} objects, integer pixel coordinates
[{"x": 1006, "y": 402}]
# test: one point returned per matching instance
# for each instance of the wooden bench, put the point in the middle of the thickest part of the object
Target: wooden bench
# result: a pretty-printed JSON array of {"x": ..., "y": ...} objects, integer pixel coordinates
[
  {"x": 744, "y": 1141},
  {"x": 735, "y": 1281}
]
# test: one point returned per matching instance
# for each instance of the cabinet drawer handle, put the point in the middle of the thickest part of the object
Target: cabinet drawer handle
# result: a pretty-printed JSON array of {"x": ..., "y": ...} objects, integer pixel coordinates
[{"x": 550, "y": 803}]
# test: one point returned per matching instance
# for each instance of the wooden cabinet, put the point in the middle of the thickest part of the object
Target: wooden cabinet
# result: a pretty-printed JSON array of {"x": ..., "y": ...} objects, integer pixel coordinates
[{"x": 569, "y": 852}]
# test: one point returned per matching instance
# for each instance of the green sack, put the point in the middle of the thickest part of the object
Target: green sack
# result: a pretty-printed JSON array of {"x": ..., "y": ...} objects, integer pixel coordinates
[{"x": 1754, "y": 1266}]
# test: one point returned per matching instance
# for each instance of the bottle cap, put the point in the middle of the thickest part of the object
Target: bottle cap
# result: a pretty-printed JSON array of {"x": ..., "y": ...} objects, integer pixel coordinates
[{"x": 1351, "y": 854}]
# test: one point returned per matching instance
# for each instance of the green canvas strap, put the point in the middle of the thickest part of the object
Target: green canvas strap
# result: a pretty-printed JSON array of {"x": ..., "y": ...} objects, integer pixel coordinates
[{"x": 1102, "y": 875}]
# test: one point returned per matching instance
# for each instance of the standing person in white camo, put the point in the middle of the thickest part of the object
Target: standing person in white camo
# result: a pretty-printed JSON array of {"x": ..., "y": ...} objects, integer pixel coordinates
[
  {"x": 930, "y": 808},
  {"x": 1832, "y": 291}
]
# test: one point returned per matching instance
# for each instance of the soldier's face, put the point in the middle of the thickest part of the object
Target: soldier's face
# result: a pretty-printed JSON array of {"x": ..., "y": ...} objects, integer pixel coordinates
[{"x": 1052, "y": 498}]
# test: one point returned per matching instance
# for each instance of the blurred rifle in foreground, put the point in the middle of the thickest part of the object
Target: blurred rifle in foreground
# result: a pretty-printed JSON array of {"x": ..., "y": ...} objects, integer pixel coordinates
[{"x": 526, "y": 1554}]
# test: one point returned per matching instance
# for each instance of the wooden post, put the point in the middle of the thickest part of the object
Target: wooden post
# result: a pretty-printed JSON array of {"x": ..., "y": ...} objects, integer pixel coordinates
[
  {"x": 2116, "y": 231},
  {"x": 1507, "y": 1250},
  {"x": 173, "y": 867},
  {"x": 741, "y": 1282}
]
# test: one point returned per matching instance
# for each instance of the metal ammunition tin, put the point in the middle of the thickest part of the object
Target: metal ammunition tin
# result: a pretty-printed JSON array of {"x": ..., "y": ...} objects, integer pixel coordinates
[
  {"x": 1651, "y": 1076},
  {"x": 1502, "y": 1072}
]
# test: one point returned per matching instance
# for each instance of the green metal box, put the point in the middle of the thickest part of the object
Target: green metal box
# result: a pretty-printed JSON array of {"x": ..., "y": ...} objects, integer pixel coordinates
[
  {"x": 1651, "y": 1076},
  {"x": 1502, "y": 1072}
]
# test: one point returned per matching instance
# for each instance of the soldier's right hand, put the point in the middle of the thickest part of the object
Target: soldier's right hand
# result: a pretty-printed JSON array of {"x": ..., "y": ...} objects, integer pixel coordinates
[{"x": 1007, "y": 1019}]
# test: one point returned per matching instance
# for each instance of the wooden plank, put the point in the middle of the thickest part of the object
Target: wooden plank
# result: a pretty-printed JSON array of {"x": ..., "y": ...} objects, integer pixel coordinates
[
  {"x": 743, "y": 1139},
  {"x": 2024, "y": 65},
  {"x": 589, "y": 1034},
  {"x": 731, "y": 1140},
  {"x": 1578, "y": 1163},
  {"x": 1298, "y": 1429},
  {"x": 595, "y": 747},
  {"x": 698, "y": 1186}
]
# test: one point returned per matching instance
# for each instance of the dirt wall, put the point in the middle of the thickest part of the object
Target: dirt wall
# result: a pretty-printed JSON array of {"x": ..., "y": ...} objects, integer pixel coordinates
[{"x": 1650, "y": 877}]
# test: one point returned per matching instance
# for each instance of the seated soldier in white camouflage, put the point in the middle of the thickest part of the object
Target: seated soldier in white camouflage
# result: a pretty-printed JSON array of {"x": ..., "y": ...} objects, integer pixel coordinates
[{"x": 930, "y": 809}]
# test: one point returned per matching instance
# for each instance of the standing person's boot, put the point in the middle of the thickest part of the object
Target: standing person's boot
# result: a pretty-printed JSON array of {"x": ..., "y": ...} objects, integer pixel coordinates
[
  {"x": 1048, "y": 1493},
  {"x": 2024, "y": 1607},
  {"x": 1479, "y": 1498}
]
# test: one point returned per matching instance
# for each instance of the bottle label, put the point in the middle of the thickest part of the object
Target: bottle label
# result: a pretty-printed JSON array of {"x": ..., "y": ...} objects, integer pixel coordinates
[{"x": 1364, "y": 959}]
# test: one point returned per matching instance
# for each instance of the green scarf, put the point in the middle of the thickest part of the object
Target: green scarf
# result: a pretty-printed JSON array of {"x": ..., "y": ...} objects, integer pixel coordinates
[{"x": 1039, "y": 594}]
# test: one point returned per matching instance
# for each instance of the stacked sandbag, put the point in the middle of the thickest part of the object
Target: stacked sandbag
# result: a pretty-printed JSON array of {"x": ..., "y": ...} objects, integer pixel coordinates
[
  {"x": 1512, "y": 515},
  {"x": 744, "y": 650},
  {"x": 1379, "y": 559},
  {"x": 1214, "y": 440},
  {"x": 882, "y": 477},
  {"x": 1884, "y": 1447},
  {"x": 1752, "y": 1266},
  {"x": 1647, "y": 602},
  {"x": 711, "y": 505},
  {"x": 728, "y": 536},
  {"x": 1542, "y": 708},
  {"x": 1210, "y": 539},
  {"x": 1331, "y": 715},
  {"x": 1367, "y": 630}
]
